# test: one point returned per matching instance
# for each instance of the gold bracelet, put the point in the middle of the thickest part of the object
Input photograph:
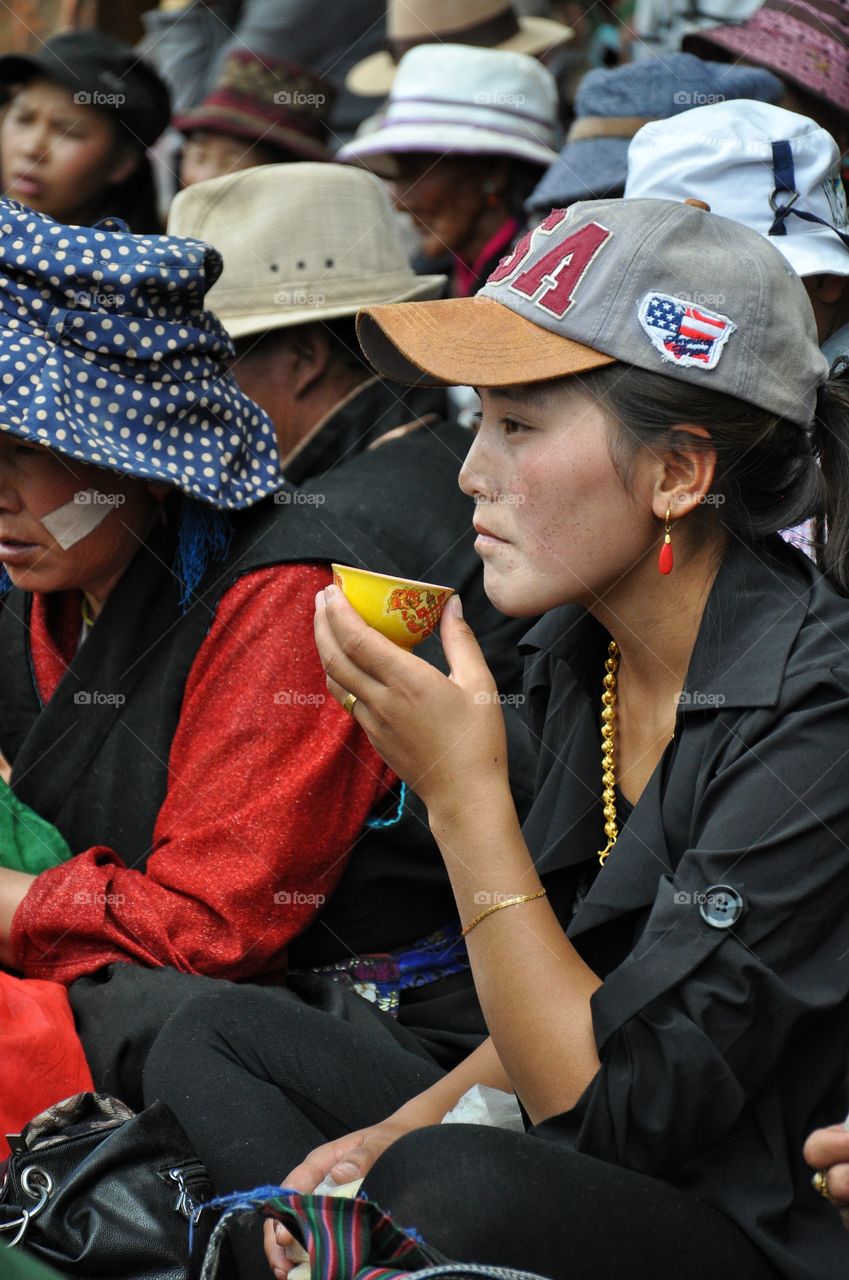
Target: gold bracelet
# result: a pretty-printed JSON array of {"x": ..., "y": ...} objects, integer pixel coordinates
[{"x": 507, "y": 902}]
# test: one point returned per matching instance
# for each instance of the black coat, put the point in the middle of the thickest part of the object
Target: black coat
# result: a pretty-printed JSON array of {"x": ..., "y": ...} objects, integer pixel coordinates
[{"x": 720, "y": 922}]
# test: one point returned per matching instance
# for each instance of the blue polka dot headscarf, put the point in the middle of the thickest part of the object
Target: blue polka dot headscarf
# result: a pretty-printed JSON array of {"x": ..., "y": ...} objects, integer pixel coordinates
[{"x": 107, "y": 355}]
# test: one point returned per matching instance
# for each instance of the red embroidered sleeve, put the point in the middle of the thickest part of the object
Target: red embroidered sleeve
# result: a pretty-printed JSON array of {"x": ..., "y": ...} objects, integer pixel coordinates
[{"x": 269, "y": 786}]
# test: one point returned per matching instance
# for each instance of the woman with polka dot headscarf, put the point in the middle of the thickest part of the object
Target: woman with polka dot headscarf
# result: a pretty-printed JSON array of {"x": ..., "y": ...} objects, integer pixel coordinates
[{"x": 163, "y": 705}]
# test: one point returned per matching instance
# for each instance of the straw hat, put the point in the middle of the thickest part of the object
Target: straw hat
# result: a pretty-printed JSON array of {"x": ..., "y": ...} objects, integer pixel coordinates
[
  {"x": 452, "y": 99},
  {"x": 300, "y": 242},
  {"x": 490, "y": 24}
]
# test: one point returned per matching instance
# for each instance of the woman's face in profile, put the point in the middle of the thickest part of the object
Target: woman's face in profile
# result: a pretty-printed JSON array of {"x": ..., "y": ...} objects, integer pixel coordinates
[
  {"x": 59, "y": 155},
  {"x": 36, "y": 483},
  {"x": 444, "y": 198},
  {"x": 555, "y": 524}
]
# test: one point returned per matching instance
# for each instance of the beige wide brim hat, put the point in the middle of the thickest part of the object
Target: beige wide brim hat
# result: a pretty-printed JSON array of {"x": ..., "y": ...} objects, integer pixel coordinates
[
  {"x": 375, "y": 75},
  {"x": 300, "y": 243}
]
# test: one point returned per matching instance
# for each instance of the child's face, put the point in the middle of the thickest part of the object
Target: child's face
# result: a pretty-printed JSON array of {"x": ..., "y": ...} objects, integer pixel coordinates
[
  {"x": 555, "y": 523},
  {"x": 58, "y": 155}
]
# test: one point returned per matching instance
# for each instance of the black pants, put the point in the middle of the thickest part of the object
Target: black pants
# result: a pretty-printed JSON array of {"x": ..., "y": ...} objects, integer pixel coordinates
[{"x": 258, "y": 1078}]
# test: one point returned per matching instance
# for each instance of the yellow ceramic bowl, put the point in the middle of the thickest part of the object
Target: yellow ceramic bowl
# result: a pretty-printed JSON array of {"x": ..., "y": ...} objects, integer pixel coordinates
[{"x": 400, "y": 609}]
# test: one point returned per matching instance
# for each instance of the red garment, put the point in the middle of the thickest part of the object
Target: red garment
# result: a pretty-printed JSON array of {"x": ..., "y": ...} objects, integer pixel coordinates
[
  {"x": 467, "y": 277},
  {"x": 270, "y": 783},
  {"x": 42, "y": 1060}
]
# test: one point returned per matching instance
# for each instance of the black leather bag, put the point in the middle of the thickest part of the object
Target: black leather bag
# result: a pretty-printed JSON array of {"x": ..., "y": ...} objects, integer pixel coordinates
[{"x": 93, "y": 1190}]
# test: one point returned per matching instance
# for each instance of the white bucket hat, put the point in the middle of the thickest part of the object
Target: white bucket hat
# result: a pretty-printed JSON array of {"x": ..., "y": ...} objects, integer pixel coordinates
[
  {"x": 772, "y": 170},
  {"x": 300, "y": 242},
  {"x": 452, "y": 98},
  {"x": 491, "y": 24}
]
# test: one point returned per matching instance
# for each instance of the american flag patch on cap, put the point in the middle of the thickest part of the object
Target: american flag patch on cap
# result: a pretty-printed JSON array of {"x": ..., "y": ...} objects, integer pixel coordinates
[{"x": 683, "y": 332}]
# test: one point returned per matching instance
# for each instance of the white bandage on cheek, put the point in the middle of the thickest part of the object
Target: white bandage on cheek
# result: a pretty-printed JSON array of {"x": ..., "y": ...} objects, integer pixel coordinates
[{"x": 76, "y": 519}]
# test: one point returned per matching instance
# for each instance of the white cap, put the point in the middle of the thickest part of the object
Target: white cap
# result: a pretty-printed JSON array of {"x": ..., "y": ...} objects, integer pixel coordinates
[
  {"x": 729, "y": 154},
  {"x": 453, "y": 98}
]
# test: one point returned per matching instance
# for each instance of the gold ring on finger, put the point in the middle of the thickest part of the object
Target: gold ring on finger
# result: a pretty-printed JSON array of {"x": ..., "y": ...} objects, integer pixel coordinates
[{"x": 820, "y": 1184}]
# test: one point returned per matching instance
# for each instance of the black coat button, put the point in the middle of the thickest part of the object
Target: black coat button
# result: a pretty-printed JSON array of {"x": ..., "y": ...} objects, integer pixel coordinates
[{"x": 720, "y": 906}]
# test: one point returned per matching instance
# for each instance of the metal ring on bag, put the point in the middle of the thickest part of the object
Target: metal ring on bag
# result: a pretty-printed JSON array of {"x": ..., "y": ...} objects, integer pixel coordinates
[
  {"x": 41, "y": 1193},
  {"x": 783, "y": 208}
]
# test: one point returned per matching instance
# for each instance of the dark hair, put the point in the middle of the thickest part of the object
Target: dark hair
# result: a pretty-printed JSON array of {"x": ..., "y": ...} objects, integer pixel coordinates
[
  {"x": 771, "y": 474},
  {"x": 345, "y": 345},
  {"x": 523, "y": 181},
  {"x": 134, "y": 199}
]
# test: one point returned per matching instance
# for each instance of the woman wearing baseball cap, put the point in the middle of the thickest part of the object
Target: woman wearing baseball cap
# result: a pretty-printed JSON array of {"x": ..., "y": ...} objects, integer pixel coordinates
[
  {"x": 84, "y": 110},
  {"x": 660, "y": 951}
]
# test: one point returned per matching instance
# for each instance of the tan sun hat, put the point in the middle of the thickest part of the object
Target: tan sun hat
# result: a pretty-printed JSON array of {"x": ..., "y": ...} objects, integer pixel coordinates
[
  {"x": 667, "y": 287},
  {"x": 300, "y": 242},
  {"x": 489, "y": 24}
]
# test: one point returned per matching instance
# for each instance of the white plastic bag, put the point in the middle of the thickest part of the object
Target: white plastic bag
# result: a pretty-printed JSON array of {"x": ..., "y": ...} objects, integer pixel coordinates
[{"x": 483, "y": 1105}]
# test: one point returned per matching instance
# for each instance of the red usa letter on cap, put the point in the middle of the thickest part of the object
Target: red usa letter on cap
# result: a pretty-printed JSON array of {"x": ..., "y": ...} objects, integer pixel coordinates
[{"x": 552, "y": 281}]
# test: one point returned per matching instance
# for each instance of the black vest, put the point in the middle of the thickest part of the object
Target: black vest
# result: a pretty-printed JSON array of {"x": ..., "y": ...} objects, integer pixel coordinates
[{"x": 94, "y": 760}]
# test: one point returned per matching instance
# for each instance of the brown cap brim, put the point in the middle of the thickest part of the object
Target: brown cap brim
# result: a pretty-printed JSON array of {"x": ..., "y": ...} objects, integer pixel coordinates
[{"x": 474, "y": 342}]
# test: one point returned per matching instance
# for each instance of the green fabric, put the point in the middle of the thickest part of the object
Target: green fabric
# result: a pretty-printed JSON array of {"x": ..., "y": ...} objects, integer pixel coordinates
[
  {"x": 18, "y": 1266},
  {"x": 27, "y": 842}
]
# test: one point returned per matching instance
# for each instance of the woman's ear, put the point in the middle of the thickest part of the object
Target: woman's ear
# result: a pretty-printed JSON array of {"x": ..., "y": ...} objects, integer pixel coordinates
[{"x": 685, "y": 474}]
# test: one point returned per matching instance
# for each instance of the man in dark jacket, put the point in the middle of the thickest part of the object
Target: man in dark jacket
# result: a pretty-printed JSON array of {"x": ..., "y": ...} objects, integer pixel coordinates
[{"x": 305, "y": 246}]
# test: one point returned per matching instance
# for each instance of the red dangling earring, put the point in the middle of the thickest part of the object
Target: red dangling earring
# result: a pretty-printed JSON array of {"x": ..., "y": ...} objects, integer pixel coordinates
[{"x": 664, "y": 559}]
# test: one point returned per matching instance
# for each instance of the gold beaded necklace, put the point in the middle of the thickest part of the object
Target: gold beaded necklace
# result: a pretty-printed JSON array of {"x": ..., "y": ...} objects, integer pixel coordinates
[
  {"x": 608, "y": 737},
  {"x": 608, "y": 741}
]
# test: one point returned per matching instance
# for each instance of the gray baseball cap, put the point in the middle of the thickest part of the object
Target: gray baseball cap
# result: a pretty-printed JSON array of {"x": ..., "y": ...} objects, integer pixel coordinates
[{"x": 667, "y": 287}]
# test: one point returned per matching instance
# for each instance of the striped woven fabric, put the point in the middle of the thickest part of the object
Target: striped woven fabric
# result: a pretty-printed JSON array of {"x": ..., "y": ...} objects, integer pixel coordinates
[{"x": 345, "y": 1239}]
